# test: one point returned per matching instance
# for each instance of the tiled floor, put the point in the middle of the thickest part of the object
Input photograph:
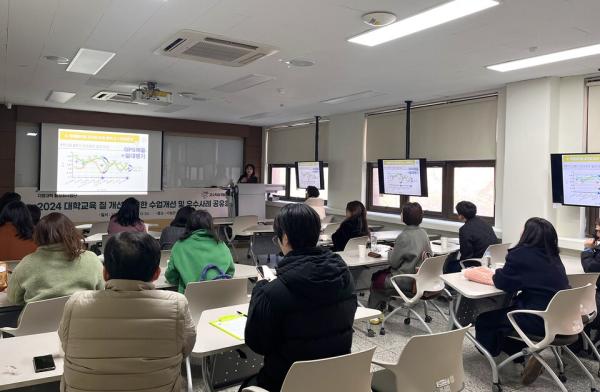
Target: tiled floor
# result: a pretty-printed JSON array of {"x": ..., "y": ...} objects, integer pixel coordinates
[{"x": 477, "y": 370}]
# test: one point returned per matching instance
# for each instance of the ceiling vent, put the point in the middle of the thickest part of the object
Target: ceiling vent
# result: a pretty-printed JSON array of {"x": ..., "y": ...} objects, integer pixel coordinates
[
  {"x": 214, "y": 49},
  {"x": 111, "y": 96}
]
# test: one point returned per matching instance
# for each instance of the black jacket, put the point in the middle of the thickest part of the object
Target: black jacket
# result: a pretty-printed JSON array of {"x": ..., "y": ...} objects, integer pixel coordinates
[
  {"x": 538, "y": 279},
  {"x": 475, "y": 236},
  {"x": 590, "y": 261},
  {"x": 350, "y": 228},
  {"x": 306, "y": 313},
  {"x": 250, "y": 180}
]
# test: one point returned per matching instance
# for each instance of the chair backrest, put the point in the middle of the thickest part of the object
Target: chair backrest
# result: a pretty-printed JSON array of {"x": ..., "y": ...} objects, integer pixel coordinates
[
  {"x": 241, "y": 223},
  {"x": 429, "y": 275},
  {"x": 498, "y": 252},
  {"x": 105, "y": 239},
  {"x": 589, "y": 302},
  {"x": 98, "y": 227},
  {"x": 331, "y": 228},
  {"x": 441, "y": 354},
  {"x": 563, "y": 314},
  {"x": 213, "y": 294},
  {"x": 40, "y": 316},
  {"x": 164, "y": 258},
  {"x": 353, "y": 244},
  {"x": 348, "y": 373}
]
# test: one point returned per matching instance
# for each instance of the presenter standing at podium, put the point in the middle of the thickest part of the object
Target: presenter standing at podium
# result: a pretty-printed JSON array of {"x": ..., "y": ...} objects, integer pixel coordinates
[{"x": 249, "y": 176}]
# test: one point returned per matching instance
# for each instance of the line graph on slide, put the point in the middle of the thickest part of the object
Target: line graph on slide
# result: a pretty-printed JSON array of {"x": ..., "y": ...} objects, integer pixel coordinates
[
  {"x": 581, "y": 181},
  {"x": 91, "y": 162}
]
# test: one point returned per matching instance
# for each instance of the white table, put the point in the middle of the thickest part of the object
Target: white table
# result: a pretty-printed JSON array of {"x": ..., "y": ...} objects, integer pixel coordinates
[
  {"x": 353, "y": 260},
  {"x": 19, "y": 352},
  {"x": 95, "y": 238},
  {"x": 212, "y": 341},
  {"x": 439, "y": 250},
  {"x": 229, "y": 221}
]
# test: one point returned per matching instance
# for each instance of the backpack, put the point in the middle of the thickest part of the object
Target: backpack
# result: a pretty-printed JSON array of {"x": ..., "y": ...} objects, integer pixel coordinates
[{"x": 220, "y": 273}]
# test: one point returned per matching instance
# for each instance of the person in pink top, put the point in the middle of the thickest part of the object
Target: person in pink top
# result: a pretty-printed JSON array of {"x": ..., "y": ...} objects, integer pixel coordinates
[{"x": 128, "y": 218}]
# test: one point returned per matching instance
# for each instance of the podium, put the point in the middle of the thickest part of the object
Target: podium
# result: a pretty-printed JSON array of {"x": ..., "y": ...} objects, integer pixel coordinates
[{"x": 251, "y": 198}]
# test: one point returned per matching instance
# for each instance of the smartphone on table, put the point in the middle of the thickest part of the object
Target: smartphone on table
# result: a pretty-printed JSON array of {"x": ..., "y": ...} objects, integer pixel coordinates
[{"x": 43, "y": 363}]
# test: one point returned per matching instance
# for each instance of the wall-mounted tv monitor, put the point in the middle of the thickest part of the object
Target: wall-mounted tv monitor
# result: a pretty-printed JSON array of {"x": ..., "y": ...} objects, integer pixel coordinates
[
  {"x": 576, "y": 179},
  {"x": 405, "y": 177},
  {"x": 309, "y": 174}
]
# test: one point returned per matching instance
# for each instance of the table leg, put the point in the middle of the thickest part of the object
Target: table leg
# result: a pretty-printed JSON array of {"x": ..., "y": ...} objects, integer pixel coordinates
[
  {"x": 252, "y": 238},
  {"x": 453, "y": 322}
]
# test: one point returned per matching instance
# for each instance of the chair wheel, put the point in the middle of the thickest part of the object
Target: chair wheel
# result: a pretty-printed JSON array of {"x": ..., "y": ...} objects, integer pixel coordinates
[
  {"x": 371, "y": 333},
  {"x": 562, "y": 377},
  {"x": 407, "y": 321},
  {"x": 428, "y": 319},
  {"x": 382, "y": 331},
  {"x": 496, "y": 388}
]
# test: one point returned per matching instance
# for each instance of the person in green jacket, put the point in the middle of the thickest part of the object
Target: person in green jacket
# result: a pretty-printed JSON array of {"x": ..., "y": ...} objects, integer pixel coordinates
[
  {"x": 198, "y": 247},
  {"x": 60, "y": 266}
]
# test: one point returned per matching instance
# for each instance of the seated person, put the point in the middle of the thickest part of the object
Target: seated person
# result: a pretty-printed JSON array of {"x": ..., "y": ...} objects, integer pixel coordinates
[
  {"x": 35, "y": 212},
  {"x": 475, "y": 236},
  {"x": 16, "y": 232},
  {"x": 313, "y": 200},
  {"x": 176, "y": 229},
  {"x": 127, "y": 218},
  {"x": 7, "y": 198},
  {"x": 590, "y": 260},
  {"x": 198, "y": 249},
  {"x": 307, "y": 312},
  {"x": 60, "y": 266},
  {"x": 535, "y": 271},
  {"x": 249, "y": 175},
  {"x": 128, "y": 337},
  {"x": 410, "y": 250},
  {"x": 355, "y": 225}
]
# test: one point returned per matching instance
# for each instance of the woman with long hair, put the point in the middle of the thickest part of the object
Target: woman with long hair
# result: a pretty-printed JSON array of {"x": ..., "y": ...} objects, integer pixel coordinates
[
  {"x": 534, "y": 273},
  {"x": 355, "y": 225},
  {"x": 16, "y": 232},
  {"x": 199, "y": 254},
  {"x": 249, "y": 175},
  {"x": 60, "y": 266},
  {"x": 176, "y": 229},
  {"x": 127, "y": 218}
]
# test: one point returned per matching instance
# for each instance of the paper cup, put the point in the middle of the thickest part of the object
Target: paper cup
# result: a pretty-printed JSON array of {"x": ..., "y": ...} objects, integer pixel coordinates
[{"x": 362, "y": 251}]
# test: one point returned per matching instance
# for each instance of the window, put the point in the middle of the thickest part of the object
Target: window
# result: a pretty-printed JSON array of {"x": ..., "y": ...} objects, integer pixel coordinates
[
  {"x": 593, "y": 214},
  {"x": 448, "y": 183},
  {"x": 285, "y": 174}
]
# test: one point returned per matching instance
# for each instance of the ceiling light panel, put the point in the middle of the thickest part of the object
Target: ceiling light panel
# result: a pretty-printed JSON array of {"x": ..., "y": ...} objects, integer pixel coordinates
[
  {"x": 243, "y": 83},
  {"x": 353, "y": 97},
  {"x": 547, "y": 58},
  {"x": 59, "y": 96},
  {"x": 434, "y": 17},
  {"x": 89, "y": 61}
]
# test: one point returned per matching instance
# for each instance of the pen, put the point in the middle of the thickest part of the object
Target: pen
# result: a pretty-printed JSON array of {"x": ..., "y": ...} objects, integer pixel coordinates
[{"x": 241, "y": 314}]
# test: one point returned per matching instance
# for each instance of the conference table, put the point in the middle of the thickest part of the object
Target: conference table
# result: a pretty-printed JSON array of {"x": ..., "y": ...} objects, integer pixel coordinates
[
  {"x": 210, "y": 340},
  {"x": 465, "y": 288},
  {"x": 95, "y": 238}
]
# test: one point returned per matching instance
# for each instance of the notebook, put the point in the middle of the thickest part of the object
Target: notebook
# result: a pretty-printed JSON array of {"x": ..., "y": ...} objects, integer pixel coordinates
[{"x": 233, "y": 325}]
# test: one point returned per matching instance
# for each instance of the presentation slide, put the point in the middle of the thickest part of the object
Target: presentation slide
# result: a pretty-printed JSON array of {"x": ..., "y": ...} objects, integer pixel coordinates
[
  {"x": 309, "y": 174},
  {"x": 402, "y": 177},
  {"x": 581, "y": 179},
  {"x": 92, "y": 162}
]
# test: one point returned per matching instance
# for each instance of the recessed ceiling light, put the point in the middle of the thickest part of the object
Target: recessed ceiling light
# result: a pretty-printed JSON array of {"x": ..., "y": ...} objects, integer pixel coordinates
[
  {"x": 547, "y": 58},
  {"x": 89, "y": 61},
  {"x": 57, "y": 59},
  {"x": 300, "y": 62},
  {"x": 434, "y": 17},
  {"x": 59, "y": 96},
  {"x": 32, "y": 133}
]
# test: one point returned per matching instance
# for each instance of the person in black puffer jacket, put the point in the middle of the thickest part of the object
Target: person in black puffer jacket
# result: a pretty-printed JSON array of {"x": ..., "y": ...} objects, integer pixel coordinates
[{"x": 307, "y": 312}]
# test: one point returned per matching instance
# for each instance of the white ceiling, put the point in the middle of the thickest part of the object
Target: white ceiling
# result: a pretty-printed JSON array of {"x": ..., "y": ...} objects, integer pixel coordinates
[{"x": 445, "y": 61}]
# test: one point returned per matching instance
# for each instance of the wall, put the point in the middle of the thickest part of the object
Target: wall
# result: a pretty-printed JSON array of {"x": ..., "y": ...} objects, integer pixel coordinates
[{"x": 33, "y": 116}]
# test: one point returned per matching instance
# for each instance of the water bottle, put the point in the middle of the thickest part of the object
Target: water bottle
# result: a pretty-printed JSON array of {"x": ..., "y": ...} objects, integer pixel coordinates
[
  {"x": 487, "y": 259},
  {"x": 373, "y": 243}
]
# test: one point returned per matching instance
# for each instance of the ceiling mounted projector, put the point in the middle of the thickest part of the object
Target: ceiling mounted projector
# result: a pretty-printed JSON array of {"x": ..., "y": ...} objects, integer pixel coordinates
[{"x": 149, "y": 94}]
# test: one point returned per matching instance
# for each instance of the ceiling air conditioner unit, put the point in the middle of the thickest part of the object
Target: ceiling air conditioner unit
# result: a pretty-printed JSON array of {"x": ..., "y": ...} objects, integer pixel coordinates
[{"x": 214, "y": 49}]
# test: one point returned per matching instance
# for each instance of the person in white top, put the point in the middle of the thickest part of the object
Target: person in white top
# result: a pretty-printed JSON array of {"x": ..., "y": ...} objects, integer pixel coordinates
[{"x": 313, "y": 200}]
